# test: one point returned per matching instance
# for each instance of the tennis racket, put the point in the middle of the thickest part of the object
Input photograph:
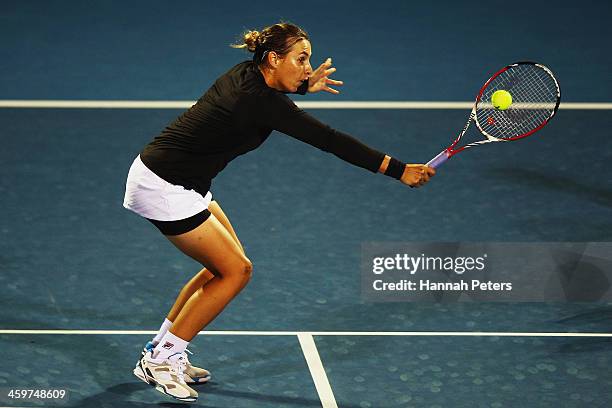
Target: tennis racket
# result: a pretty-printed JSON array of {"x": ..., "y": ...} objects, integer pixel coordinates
[{"x": 535, "y": 99}]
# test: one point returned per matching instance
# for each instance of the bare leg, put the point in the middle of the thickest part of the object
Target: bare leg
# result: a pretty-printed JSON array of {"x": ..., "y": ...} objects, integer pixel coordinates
[
  {"x": 213, "y": 246},
  {"x": 204, "y": 275},
  {"x": 201, "y": 279}
]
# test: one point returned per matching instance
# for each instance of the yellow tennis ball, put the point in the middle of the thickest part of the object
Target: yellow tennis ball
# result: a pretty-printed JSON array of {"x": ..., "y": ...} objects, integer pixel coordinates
[{"x": 501, "y": 99}]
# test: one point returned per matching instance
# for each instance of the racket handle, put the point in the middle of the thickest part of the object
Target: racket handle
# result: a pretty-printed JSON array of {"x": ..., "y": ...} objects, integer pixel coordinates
[{"x": 439, "y": 159}]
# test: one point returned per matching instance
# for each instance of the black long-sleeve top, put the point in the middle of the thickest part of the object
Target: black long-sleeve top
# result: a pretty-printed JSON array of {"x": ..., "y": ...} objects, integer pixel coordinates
[{"x": 236, "y": 115}]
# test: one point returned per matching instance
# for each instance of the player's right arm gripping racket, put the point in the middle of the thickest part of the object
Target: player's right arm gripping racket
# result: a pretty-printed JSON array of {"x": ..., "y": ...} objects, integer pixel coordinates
[{"x": 535, "y": 99}]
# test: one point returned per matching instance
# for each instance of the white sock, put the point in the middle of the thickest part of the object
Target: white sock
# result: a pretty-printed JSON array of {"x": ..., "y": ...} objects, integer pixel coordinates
[
  {"x": 162, "y": 330},
  {"x": 169, "y": 345}
]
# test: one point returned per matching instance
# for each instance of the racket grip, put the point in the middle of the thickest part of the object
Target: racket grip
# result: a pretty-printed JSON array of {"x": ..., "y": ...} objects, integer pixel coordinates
[{"x": 439, "y": 159}]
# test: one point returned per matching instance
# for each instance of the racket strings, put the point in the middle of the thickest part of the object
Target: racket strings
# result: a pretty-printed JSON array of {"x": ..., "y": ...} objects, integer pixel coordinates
[{"x": 534, "y": 99}]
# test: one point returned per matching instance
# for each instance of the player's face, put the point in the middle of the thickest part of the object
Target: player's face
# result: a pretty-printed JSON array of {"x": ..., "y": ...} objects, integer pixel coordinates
[{"x": 294, "y": 67}]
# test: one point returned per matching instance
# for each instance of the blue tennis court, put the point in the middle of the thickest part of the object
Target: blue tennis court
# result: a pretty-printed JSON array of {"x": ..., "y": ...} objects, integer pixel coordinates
[{"x": 86, "y": 283}]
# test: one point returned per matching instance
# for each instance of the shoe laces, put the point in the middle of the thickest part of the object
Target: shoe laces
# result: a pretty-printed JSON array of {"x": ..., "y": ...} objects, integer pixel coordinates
[
  {"x": 185, "y": 355},
  {"x": 178, "y": 365}
]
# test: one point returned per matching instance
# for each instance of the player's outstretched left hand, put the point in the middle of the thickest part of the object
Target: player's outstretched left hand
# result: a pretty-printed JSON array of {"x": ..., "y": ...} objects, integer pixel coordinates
[
  {"x": 319, "y": 80},
  {"x": 415, "y": 175}
]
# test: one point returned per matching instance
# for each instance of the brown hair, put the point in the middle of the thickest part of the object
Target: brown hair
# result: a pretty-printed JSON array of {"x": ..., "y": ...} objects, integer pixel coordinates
[{"x": 278, "y": 37}]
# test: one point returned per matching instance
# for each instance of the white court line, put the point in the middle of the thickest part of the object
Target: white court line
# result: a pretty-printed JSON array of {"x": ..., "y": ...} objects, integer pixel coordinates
[
  {"x": 115, "y": 104},
  {"x": 309, "y": 347},
  {"x": 315, "y": 365},
  {"x": 313, "y": 333}
]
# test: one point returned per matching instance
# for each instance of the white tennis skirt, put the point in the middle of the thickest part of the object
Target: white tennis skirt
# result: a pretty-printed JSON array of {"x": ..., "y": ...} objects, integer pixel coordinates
[{"x": 154, "y": 198}]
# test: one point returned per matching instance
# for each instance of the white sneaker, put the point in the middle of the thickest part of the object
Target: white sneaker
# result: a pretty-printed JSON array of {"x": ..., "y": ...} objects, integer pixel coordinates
[
  {"x": 166, "y": 375},
  {"x": 193, "y": 374}
]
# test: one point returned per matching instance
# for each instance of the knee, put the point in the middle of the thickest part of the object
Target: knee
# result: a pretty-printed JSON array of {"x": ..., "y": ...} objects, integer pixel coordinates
[
  {"x": 241, "y": 275},
  {"x": 241, "y": 272}
]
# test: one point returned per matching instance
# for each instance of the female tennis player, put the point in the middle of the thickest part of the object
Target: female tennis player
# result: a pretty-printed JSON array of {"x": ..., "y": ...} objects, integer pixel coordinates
[{"x": 169, "y": 183}]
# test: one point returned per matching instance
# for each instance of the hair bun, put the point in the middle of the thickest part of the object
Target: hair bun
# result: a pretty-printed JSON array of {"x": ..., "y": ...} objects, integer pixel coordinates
[{"x": 251, "y": 39}]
